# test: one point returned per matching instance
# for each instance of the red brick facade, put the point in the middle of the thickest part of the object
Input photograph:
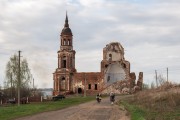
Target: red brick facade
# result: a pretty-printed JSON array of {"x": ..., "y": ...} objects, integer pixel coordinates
[
  {"x": 87, "y": 82},
  {"x": 66, "y": 78},
  {"x": 115, "y": 70}
]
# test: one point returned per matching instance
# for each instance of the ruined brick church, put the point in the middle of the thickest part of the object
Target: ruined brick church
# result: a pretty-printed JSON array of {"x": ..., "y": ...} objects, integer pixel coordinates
[{"x": 115, "y": 74}]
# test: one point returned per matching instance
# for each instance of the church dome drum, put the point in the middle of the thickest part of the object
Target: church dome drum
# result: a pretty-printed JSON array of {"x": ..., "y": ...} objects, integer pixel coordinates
[{"x": 66, "y": 31}]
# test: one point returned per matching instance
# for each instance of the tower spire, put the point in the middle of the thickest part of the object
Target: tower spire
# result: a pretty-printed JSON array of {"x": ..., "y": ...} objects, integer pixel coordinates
[
  {"x": 66, "y": 30},
  {"x": 66, "y": 21}
]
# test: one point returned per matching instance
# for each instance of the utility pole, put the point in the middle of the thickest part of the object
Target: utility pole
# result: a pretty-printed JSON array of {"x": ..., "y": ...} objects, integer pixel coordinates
[
  {"x": 84, "y": 84},
  {"x": 19, "y": 78},
  {"x": 156, "y": 78},
  {"x": 65, "y": 81},
  {"x": 11, "y": 86},
  {"x": 167, "y": 74}
]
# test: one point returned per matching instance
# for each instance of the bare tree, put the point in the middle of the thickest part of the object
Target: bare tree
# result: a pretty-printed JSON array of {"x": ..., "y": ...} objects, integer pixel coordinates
[
  {"x": 152, "y": 85},
  {"x": 161, "y": 79},
  {"x": 12, "y": 70}
]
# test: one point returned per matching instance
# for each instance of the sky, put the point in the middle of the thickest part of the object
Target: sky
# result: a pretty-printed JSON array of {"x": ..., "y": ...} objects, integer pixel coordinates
[{"x": 149, "y": 31}]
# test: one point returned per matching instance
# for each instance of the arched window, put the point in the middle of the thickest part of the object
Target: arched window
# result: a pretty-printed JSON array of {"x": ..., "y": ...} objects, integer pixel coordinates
[
  {"x": 110, "y": 57},
  {"x": 89, "y": 86},
  {"x": 68, "y": 42},
  {"x": 64, "y": 62},
  {"x": 64, "y": 42},
  {"x": 95, "y": 87},
  {"x": 63, "y": 83}
]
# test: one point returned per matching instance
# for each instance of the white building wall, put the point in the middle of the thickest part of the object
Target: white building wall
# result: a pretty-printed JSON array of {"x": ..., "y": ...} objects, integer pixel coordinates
[
  {"x": 114, "y": 73},
  {"x": 115, "y": 56}
]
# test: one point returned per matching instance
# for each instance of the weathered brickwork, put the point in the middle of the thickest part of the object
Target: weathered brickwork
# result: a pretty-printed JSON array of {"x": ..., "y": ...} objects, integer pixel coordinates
[
  {"x": 116, "y": 71},
  {"x": 87, "y": 82},
  {"x": 115, "y": 74}
]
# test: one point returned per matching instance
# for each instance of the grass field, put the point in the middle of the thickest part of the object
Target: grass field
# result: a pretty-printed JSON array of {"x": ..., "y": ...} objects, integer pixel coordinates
[
  {"x": 136, "y": 112},
  {"x": 154, "y": 105},
  {"x": 14, "y": 111}
]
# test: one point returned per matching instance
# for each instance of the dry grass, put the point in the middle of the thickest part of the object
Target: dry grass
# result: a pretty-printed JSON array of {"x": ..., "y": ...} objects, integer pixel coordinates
[{"x": 162, "y": 103}]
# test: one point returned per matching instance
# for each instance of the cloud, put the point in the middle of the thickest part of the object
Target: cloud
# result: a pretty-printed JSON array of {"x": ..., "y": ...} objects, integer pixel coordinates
[
  {"x": 148, "y": 30},
  {"x": 90, "y": 60},
  {"x": 133, "y": 22},
  {"x": 148, "y": 58}
]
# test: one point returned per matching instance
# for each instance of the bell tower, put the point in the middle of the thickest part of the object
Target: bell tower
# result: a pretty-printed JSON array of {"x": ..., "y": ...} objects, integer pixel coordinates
[
  {"x": 66, "y": 37},
  {"x": 63, "y": 75}
]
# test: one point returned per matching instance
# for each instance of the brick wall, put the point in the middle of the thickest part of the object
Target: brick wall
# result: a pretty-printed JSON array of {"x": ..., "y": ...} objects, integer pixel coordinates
[{"x": 89, "y": 81}]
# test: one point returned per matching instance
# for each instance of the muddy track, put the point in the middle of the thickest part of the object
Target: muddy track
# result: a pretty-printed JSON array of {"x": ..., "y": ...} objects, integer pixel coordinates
[{"x": 87, "y": 111}]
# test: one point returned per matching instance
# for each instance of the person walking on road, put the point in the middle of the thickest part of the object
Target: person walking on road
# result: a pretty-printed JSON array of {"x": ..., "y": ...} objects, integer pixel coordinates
[
  {"x": 112, "y": 97},
  {"x": 98, "y": 97}
]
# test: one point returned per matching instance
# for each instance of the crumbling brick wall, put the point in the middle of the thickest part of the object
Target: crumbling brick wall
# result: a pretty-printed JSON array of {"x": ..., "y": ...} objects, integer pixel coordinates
[{"x": 89, "y": 81}]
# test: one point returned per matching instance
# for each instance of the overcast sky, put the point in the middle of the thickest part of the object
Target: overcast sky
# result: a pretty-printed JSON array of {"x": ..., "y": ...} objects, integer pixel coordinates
[{"x": 149, "y": 31}]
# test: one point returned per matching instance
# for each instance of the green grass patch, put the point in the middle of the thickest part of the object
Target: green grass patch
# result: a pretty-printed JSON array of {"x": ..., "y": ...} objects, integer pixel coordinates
[
  {"x": 14, "y": 111},
  {"x": 136, "y": 112}
]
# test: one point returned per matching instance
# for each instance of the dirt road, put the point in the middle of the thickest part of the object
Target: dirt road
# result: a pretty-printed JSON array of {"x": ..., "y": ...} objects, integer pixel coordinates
[{"x": 87, "y": 111}]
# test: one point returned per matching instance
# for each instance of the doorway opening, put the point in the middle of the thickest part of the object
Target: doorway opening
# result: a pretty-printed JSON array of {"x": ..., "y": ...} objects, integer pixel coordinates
[{"x": 79, "y": 90}]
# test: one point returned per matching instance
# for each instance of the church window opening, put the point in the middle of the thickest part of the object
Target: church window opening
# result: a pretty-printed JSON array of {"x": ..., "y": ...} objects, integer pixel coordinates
[
  {"x": 63, "y": 83},
  {"x": 124, "y": 65},
  {"x": 108, "y": 78},
  {"x": 68, "y": 41},
  {"x": 110, "y": 57},
  {"x": 64, "y": 42},
  {"x": 95, "y": 86},
  {"x": 89, "y": 86},
  {"x": 64, "y": 62}
]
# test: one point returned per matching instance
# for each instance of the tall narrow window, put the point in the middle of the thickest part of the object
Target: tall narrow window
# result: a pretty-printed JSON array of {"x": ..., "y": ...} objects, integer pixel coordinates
[
  {"x": 64, "y": 62},
  {"x": 64, "y": 42},
  {"x": 108, "y": 79},
  {"x": 89, "y": 86},
  {"x": 110, "y": 57},
  {"x": 68, "y": 41},
  {"x": 95, "y": 86},
  {"x": 63, "y": 83},
  {"x": 61, "y": 41}
]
